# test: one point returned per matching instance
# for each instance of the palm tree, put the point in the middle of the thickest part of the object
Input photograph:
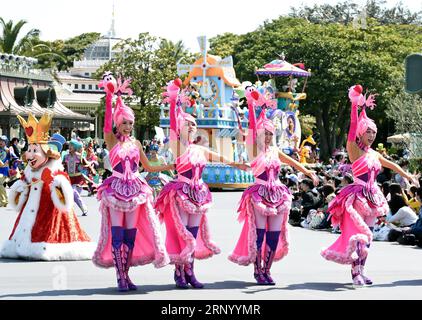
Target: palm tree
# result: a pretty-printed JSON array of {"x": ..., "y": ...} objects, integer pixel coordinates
[
  {"x": 177, "y": 49},
  {"x": 9, "y": 38}
]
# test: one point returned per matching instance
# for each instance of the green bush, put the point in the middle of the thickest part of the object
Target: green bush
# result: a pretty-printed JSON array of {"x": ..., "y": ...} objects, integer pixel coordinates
[
  {"x": 392, "y": 150},
  {"x": 415, "y": 165}
]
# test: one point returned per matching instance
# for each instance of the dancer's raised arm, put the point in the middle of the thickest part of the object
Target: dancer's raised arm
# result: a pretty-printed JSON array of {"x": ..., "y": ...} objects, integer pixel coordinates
[
  {"x": 355, "y": 93},
  {"x": 396, "y": 168},
  {"x": 298, "y": 166},
  {"x": 216, "y": 157},
  {"x": 109, "y": 84},
  {"x": 145, "y": 162}
]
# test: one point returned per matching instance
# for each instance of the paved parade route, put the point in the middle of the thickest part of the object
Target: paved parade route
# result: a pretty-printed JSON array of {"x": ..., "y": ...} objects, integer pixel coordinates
[{"x": 303, "y": 274}]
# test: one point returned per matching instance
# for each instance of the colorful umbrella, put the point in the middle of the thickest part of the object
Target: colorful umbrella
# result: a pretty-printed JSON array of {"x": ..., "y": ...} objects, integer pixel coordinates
[{"x": 282, "y": 68}]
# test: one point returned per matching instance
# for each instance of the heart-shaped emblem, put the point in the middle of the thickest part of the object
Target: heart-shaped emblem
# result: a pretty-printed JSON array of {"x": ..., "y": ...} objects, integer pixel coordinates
[{"x": 29, "y": 131}]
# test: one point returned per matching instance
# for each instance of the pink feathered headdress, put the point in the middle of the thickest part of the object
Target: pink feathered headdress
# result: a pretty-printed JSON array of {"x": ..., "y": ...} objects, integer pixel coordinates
[
  {"x": 177, "y": 116},
  {"x": 111, "y": 86},
  {"x": 254, "y": 98},
  {"x": 357, "y": 98}
]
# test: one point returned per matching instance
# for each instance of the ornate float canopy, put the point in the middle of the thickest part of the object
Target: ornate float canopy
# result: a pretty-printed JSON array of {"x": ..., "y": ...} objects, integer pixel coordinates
[{"x": 280, "y": 67}]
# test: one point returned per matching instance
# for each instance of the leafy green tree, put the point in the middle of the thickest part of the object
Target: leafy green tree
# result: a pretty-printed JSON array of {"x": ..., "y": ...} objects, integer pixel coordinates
[
  {"x": 343, "y": 12},
  {"x": 60, "y": 54},
  {"x": 150, "y": 62},
  {"x": 339, "y": 56},
  {"x": 406, "y": 112},
  {"x": 224, "y": 45},
  {"x": 176, "y": 49},
  {"x": 346, "y": 12},
  {"x": 9, "y": 38}
]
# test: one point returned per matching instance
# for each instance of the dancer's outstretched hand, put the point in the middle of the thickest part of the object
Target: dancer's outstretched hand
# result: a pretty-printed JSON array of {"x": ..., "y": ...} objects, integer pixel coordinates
[
  {"x": 312, "y": 174},
  {"x": 414, "y": 179}
]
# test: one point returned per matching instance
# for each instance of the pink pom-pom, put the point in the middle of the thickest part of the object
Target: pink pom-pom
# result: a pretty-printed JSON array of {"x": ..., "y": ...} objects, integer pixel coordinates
[
  {"x": 172, "y": 90},
  {"x": 178, "y": 82},
  {"x": 355, "y": 95},
  {"x": 255, "y": 95},
  {"x": 358, "y": 88}
]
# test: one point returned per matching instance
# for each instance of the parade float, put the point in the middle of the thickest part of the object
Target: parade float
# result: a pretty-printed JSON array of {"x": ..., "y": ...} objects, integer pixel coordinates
[
  {"x": 209, "y": 86},
  {"x": 286, "y": 117}
]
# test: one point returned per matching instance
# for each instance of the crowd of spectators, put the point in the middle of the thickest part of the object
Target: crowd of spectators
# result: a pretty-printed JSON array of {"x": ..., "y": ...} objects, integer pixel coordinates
[{"x": 403, "y": 224}]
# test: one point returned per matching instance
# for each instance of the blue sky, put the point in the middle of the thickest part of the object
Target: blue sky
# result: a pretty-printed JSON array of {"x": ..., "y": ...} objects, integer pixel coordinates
[{"x": 174, "y": 20}]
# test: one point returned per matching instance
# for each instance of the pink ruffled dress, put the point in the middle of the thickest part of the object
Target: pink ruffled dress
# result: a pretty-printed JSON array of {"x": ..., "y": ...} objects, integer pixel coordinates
[
  {"x": 267, "y": 196},
  {"x": 125, "y": 190},
  {"x": 189, "y": 193},
  {"x": 355, "y": 209}
]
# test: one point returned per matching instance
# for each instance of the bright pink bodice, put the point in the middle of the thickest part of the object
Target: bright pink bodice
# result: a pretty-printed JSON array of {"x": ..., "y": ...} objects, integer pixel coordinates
[
  {"x": 124, "y": 158},
  {"x": 369, "y": 164},
  {"x": 267, "y": 165},
  {"x": 192, "y": 159}
]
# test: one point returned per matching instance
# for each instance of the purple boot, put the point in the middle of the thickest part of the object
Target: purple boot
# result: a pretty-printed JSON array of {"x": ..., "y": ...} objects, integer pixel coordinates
[
  {"x": 258, "y": 274},
  {"x": 367, "y": 280},
  {"x": 356, "y": 275},
  {"x": 270, "y": 250},
  {"x": 119, "y": 258},
  {"x": 190, "y": 276},
  {"x": 179, "y": 277},
  {"x": 129, "y": 241},
  {"x": 269, "y": 258},
  {"x": 188, "y": 268}
]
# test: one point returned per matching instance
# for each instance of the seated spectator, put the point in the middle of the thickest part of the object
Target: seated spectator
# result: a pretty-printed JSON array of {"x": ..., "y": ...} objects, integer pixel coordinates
[
  {"x": 328, "y": 194},
  {"x": 404, "y": 183},
  {"x": 400, "y": 213},
  {"x": 347, "y": 179},
  {"x": 337, "y": 183},
  {"x": 384, "y": 175},
  {"x": 292, "y": 182},
  {"x": 396, "y": 189},
  {"x": 399, "y": 218},
  {"x": 416, "y": 230},
  {"x": 413, "y": 202},
  {"x": 310, "y": 200},
  {"x": 385, "y": 188}
]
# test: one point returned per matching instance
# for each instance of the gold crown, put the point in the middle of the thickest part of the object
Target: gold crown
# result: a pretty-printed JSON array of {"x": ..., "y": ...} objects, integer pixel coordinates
[{"x": 37, "y": 131}]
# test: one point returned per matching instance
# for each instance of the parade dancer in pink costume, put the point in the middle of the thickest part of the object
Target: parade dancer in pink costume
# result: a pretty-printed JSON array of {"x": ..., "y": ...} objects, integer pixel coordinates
[
  {"x": 130, "y": 231},
  {"x": 356, "y": 208},
  {"x": 265, "y": 206},
  {"x": 183, "y": 203}
]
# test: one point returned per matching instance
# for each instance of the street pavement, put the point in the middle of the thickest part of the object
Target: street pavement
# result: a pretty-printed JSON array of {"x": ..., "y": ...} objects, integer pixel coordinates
[{"x": 302, "y": 275}]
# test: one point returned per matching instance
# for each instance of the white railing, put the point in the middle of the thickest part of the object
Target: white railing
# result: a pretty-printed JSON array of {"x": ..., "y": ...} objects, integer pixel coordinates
[{"x": 25, "y": 71}]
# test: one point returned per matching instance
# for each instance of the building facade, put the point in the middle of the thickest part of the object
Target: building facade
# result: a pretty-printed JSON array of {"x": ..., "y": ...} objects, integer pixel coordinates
[{"x": 25, "y": 90}]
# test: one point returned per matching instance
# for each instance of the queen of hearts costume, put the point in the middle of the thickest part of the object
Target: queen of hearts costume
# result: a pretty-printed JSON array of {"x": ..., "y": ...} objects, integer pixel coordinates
[{"x": 46, "y": 227}]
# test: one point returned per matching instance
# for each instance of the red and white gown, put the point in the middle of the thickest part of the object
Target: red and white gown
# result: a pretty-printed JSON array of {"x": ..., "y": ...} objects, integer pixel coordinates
[{"x": 46, "y": 227}]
